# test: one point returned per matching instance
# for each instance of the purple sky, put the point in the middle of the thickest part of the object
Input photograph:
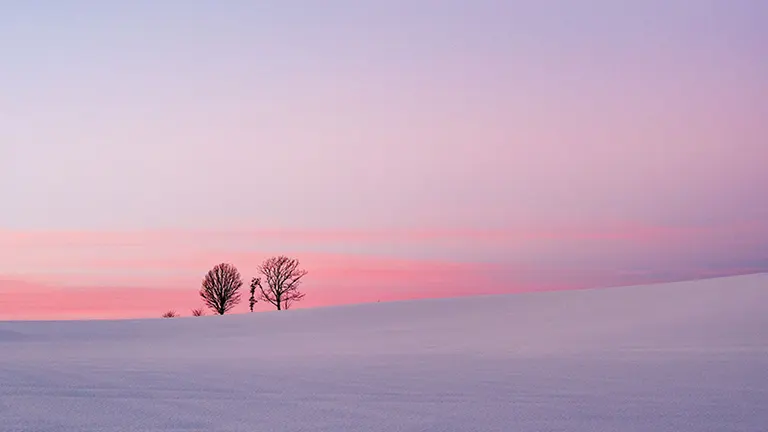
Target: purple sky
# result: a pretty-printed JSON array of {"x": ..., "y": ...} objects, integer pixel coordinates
[{"x": 546, "y": 138}]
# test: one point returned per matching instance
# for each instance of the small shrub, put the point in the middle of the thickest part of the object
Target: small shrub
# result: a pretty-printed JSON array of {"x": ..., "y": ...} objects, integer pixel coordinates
[
  {"x": 198, "y": 312},
  {"x": 170, "y": 314}
]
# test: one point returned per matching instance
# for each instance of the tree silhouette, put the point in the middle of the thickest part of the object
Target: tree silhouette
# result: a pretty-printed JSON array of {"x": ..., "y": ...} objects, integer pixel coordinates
[
  {"x": 252, "y": 301},
  {"x": 221, "y": 288},
  {"x": 282, "y": 276}
]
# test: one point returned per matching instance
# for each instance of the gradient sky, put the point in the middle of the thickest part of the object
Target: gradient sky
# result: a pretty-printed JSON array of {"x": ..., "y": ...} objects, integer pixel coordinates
[{"x": 400, "y": 149}]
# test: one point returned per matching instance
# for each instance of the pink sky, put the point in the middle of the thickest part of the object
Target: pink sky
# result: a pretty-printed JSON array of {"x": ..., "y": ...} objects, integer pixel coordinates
[
  {"x": 398, "y": 149},
  {"x": 65, "y": 275}
]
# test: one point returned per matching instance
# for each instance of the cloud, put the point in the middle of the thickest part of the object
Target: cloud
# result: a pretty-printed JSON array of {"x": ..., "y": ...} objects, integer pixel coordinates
[
  {"x": 332, "y": 279},
  {"x": 26, "y": 300},
  {"x": 141, "y": 274}
]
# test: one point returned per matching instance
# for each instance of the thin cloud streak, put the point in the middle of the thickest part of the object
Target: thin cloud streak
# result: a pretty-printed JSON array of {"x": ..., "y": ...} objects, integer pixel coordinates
[
  {"x": 167, "y": 236},
  {"x": 38, "y": 242},
  {"x": 71, "y": 273},
  {"x": 334, "y": 280}
]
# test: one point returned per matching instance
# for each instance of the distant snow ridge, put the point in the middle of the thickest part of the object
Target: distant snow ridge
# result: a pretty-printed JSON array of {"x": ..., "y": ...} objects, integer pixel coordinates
[{"x": 689, "y": 356}]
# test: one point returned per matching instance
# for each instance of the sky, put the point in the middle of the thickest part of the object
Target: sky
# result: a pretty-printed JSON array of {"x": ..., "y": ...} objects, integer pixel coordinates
[{"x": 398, "y": 149}]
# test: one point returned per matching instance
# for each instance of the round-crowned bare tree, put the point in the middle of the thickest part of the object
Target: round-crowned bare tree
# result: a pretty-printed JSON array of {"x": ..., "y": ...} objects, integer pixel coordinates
[{"x": 221, "y": 288}]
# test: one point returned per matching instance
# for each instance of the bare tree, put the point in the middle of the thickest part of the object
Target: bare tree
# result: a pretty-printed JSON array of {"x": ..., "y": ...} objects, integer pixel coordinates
[
  {"x": 282, "y": 276},
  {"x": 170, "y": 314},
  {"x": 198, "y": 312},
  {"x": 221, "y": 288}
]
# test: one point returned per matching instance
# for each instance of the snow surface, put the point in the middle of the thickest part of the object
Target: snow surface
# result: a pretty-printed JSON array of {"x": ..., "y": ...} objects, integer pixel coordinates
[{"x": 687, "y": 356}]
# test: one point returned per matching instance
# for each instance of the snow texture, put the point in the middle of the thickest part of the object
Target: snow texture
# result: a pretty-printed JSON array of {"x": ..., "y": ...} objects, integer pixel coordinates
[{"x": 689, "y": 356}]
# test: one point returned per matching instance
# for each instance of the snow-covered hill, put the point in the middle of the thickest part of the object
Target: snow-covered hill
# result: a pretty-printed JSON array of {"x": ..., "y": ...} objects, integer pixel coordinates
[{"x": 687, "y": 356}]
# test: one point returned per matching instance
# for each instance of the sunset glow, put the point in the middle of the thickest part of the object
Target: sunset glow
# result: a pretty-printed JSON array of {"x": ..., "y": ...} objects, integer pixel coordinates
[{"x": 399, "y": 150}]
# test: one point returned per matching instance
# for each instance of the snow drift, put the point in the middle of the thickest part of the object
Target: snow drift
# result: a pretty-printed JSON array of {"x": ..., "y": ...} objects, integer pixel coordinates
[{"x": 686, "y": 356}]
